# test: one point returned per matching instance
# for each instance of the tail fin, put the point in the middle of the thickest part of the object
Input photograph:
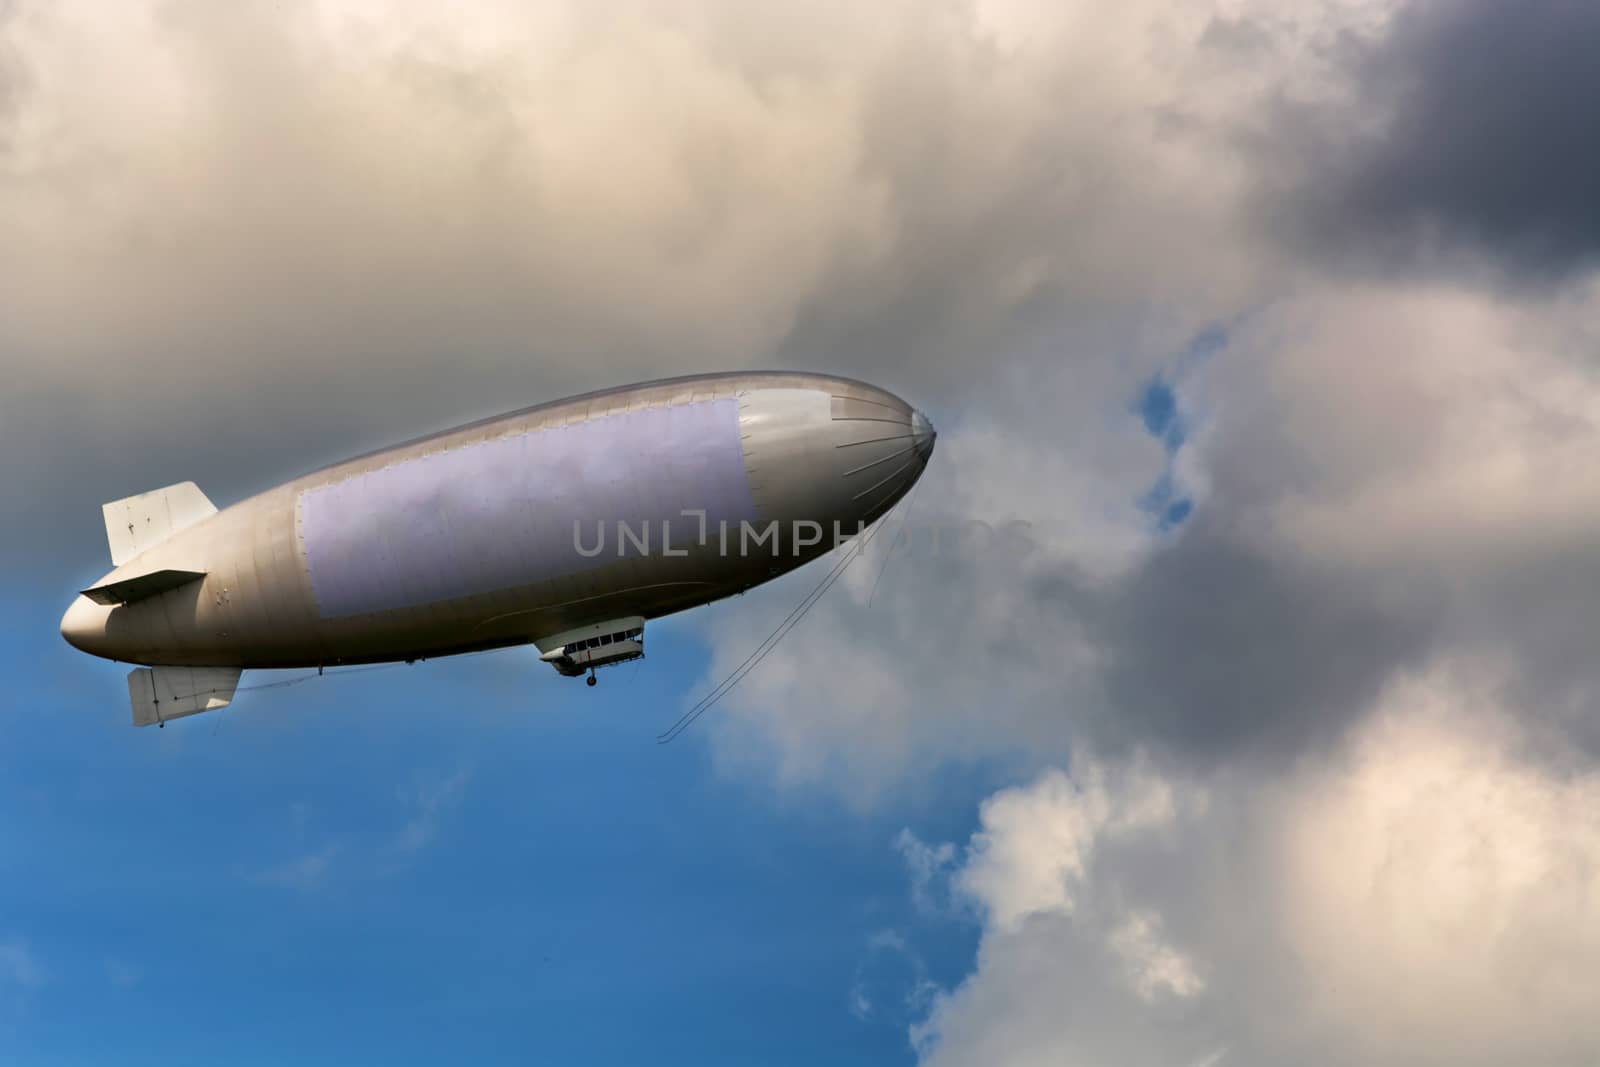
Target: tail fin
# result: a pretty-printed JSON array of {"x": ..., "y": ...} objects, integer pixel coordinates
[
  {"x": 162, "y": 693},
  {"x": 135, "y": 523}
]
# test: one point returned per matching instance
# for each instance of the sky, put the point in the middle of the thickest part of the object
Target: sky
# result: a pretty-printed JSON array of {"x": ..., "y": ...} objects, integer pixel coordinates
[{"x": 1268, "y": 327}]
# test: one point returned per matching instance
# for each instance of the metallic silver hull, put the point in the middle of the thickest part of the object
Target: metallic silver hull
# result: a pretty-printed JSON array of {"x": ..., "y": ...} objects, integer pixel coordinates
[{"x": 486, "y": 535}]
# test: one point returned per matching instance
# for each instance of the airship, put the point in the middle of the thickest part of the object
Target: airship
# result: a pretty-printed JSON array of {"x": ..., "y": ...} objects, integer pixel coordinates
[{"x": 567, "y": 526}]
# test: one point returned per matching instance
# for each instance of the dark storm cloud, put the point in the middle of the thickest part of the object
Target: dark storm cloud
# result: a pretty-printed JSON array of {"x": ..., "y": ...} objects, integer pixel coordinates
[
  {"x": 1544, "y": 618},
  {"x": 1214, "y": 650},
  {"x": 1472, "y": 128}
]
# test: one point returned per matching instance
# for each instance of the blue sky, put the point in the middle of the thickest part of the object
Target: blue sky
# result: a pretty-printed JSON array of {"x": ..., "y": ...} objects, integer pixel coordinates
[{"x": 464, "y": 858}]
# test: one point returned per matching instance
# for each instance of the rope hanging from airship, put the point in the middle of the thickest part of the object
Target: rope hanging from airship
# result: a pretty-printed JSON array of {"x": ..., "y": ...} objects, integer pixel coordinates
[
  {"x": 285, "y": 683},
  {"x": 905, "y": 520},
  {"x": 752, "y": 661}
]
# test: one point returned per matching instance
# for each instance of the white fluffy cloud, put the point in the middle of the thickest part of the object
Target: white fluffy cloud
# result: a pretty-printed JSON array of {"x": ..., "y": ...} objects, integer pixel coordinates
[
  {"x": 1033, "y": 854},
  {"x": 1426, "y": 893},
  {"x": 1445, "y": 892},
  {"x": 1425, "y": 425}
]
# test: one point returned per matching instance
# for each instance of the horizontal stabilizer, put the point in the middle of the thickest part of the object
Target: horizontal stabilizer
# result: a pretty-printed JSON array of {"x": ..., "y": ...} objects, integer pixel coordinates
[
  {"x": 136, "y": 523},
  {"x": 141, "y": 586},
  {"x": 163, "y": 693}
]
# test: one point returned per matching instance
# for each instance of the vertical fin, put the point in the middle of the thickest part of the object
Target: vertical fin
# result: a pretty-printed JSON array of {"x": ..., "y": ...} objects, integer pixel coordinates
[
  {"x": 162, "y": 693},
  {"x": 135, "y": 523}
]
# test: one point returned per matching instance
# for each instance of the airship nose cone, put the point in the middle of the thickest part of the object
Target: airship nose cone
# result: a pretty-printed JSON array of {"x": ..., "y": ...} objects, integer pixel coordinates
[
  {"x": 923, "y": 435},
  {"x": 84, "y": 624}
]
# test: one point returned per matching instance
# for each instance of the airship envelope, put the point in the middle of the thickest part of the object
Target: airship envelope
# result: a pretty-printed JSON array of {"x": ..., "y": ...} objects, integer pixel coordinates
[{"x": 567, "y": 526}]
